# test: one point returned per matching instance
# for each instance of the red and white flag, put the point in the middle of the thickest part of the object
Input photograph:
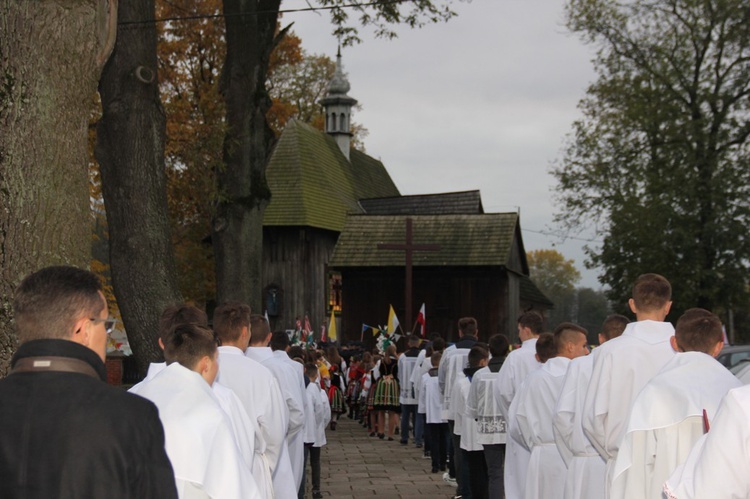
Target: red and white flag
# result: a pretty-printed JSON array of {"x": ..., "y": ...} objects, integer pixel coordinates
[{"x": 421, "y": 319}]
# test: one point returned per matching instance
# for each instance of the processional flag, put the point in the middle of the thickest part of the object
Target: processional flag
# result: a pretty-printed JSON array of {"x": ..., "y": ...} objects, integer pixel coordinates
[
  {"x": 332, "y": 336},
  {"x": 421, "y": 319},
  {"x": 392, "y": 321}
]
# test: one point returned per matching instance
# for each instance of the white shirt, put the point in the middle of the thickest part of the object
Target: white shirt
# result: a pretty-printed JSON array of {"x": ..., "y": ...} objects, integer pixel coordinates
[
  {"x": 482, "y": 405},
  {"x": 534, "y": 408},
  {"x": 199, "y": 439},
  {"x": 452, "y": 366},
  {"x": 622, "y": 367},
  {"x": 585, "y": 475},
  {"x": 469, "y": 432},
  {"x": 718, "y": 465},
  {"x": 431, "y": 400},
  {"x": 666, "y": 421},
  {"x": 322, "y": 411},
  {"x": 259, "y": 392},
  {"x": 406, "y": 366}
]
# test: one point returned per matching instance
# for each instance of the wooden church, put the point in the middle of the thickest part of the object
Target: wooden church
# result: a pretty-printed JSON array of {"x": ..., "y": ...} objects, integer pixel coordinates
[{"x": 335, "y": 211}]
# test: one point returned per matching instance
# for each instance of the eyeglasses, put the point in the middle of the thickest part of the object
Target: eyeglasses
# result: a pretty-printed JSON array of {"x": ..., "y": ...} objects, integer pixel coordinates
[{"x": 109, "y": 323}]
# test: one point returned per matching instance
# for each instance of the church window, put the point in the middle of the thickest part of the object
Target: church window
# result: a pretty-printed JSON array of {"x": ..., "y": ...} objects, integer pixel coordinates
[
  {"x": 342, "y": 123},
  {"x": 334, "y": 292},
  {"x": 333, "y": 122}
]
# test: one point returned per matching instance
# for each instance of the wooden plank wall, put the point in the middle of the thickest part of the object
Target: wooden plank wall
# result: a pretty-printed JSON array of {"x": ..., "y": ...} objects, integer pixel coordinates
[{"x": 295, "y": 259}]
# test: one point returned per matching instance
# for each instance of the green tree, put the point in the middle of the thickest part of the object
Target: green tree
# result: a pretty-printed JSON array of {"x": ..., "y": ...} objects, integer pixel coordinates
[
  {"x": 556, "y": 277},
  {"x": 592, "y": 307},
  {"x": 659, "y": 161}
]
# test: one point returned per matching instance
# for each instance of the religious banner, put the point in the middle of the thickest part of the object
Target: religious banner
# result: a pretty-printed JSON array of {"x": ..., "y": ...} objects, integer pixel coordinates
[
  {"x": 392, "y": 321},
  {"x": 421, "y": 320},
  {"x": 332, "y": 336}
]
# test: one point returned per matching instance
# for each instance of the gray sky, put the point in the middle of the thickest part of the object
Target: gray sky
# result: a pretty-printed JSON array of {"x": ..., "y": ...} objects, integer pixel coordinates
[{"x": 481, "y": 102}]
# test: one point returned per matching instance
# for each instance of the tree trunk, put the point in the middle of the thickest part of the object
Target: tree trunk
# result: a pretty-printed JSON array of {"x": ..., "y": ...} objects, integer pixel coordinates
[
  {"x": 51, "y": 56},
  {"x": 243, "y": 191},
  {"x": 130, "y": 152}
]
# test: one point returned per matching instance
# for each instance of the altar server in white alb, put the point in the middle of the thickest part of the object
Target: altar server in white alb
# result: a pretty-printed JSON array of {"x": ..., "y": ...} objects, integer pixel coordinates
[
  {"x": 536, "y": 408},
  {"x": 585, "y": 467},
  {"x": 291, "y": 385},
  {"x": 718, "y": 465},
  {"x": 321, "y": 409},
  {"x": 407, "y": 363},
  {"x": 199, "y": 438},
  {"x": 517, "y": 366},
  {"x": 249, "y": 440},
  {"x": 471, "y": 447},
  {"x": 256, "y": 388},
  {"x": 674, "y": 409},
  {"x": 623, "y": 366},
  {"x": 483, "y": 406}
]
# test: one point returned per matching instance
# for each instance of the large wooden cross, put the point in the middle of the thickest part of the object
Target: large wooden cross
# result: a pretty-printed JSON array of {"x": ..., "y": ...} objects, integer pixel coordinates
[{"x": 409, "y": 247}]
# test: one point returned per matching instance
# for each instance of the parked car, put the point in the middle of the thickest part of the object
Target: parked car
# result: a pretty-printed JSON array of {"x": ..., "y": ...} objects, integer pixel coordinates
[{"x": 732, "y": 355}]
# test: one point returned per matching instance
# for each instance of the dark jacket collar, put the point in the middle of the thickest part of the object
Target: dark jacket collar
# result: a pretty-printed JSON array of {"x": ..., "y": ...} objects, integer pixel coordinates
[
  {"x": 466, "y": 342},
  {"x": 61, "y": 348},
  {"x": 412, "y": 352},
  {"x": 495, "y": 364},
  {"x": 469, "y": 371}
]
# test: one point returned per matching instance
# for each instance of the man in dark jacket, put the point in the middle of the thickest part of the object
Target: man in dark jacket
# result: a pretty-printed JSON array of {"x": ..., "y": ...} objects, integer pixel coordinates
[{"x": 64, "y": 432}]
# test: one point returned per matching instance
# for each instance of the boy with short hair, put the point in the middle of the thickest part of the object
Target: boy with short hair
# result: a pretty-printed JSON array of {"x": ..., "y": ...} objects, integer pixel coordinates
[
  {"x": 200, "y": 441},
  {"x": 322, "y": 409},
  {"x": 430, "y": 403},
  {"x": 623, "y": 366},
  {"x": 667, "y": 417}
]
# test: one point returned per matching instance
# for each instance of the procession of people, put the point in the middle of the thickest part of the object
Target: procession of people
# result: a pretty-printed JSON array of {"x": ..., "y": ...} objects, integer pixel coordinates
[{"x": 236, "y": 411}]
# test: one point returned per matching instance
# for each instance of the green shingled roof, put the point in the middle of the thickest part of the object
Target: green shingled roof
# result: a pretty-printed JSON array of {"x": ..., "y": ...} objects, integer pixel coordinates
[
  {"x": 312, "y": 183},
  {"x": 465, "y": 240}
]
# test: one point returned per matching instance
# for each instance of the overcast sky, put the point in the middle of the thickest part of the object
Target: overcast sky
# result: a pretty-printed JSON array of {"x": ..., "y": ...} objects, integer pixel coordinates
[{"x": 483, "y": 101}]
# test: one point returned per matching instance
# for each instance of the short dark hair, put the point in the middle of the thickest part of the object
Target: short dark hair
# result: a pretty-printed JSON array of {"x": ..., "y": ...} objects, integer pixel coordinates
[
  {"x": 48, "y": 302},
  {"x": 698, "y": 330},
  {"x": 532, "y": 320},
  {"x": 651, "y": 292},
  {"x": 613, "y": 326},
  {"x": 297, "y": 352},
  {"x": 476, "y": 355},
  {"x": 180, "y": 313},
  {"x": 279, "y": 341},
  {"x": 567, "y": 332},
  {"x": 229, "y": 319},
  {"x": 259, "y": 329},
  {"x": 468, "y": 326},
  {"x": 546, "y": 347},
  {"x": 187, "y": 344},
  {"x": 438, "y": 344},
  {"x": 311, "y": 370},
  {"x": 435, "y": 358},
  {"x": 414, "y": 340},
  {"x": 499, "y": 345}
]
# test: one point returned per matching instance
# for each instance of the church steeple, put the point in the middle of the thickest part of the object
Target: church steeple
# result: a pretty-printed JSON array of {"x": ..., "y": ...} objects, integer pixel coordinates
[{"x": 337, "y": 106}]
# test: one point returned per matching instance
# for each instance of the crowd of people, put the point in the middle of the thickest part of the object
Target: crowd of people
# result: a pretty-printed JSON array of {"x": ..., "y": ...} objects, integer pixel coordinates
[{"x": 235, "y": 411}]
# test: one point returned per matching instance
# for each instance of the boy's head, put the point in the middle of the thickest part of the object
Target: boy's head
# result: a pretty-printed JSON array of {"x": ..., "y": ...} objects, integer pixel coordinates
[
  {"x": 260, "y": 331},
  {"x": 435, "y": 359},
  {"x": 530, "y": 324},
  {"x": 181, "y": 313},
  {"x": 570, "y": 340},
  {"x": 279, "y": 341},
  {"x": 652, "y": 297},
  {"x": 698, "y": 330},
  {"x": 612, "y": 327},
  {"x": 499, "y": 345},
  {"x": 232, "y": 324},
  {"x": 467, "y": 326},
  {"x": 545, "y": 347},
  {"x": 438, "y": 344},
  {"x": 194, "y": 347},
  {"x": 311, "y": 370},
  {"x": 478, "y": 356},
  {"x": 414, "y": 341}
]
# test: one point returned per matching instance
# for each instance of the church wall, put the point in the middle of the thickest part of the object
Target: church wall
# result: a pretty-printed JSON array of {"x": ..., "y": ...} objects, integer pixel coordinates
[
  {"x": 295, "y": 259},
  {"x": 448, "y": 293}
]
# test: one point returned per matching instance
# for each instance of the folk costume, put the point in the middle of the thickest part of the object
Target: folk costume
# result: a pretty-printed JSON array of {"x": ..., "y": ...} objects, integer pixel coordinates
[
  {"x": 535, "y": 408},
  {"x": 387, "y": 388},
  {"x": 517, "y": 366},
  {"x": 199, "y": 439},
  {"x": 586, "y": 468},
  {"x": 718, "y": 465},
  {"x": 666, "y": 421},
  {"x": 622, "y": 367}
]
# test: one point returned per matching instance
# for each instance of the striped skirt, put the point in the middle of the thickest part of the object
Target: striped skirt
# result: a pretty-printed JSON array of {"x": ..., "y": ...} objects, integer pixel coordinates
[
  {"x": 336, "y": 398},
  {"x": 386, "y": 394}
]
